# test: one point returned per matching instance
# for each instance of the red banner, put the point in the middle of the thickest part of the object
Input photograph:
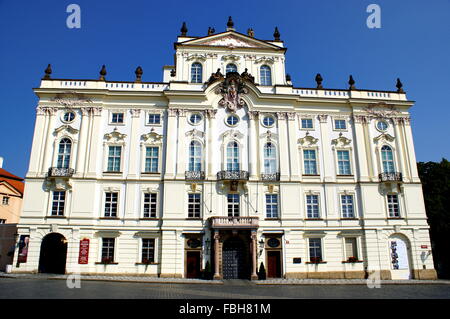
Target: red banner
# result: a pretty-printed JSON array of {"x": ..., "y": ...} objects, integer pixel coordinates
[{"x": 84, "y": 251}]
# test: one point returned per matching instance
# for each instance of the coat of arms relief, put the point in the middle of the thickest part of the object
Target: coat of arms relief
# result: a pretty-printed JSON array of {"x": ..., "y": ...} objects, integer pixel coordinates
[{"x": 231, "y": 89}]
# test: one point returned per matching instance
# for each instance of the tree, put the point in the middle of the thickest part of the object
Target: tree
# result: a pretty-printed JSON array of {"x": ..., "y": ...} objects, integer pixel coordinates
[{"x": 435, "y": 179}]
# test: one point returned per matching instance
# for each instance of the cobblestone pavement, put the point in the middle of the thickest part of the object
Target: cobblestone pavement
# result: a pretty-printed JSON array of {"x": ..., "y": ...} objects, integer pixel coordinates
[{"x": 46, "y": 288}]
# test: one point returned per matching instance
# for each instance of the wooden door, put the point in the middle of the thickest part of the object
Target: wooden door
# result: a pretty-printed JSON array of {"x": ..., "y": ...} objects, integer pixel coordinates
[
  {"x": 193, "y": 264},
  {"x": 273, "y": 264}
]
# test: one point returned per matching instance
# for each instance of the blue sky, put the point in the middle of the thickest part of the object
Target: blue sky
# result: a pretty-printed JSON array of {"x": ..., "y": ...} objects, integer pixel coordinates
[{"x": 327, "y": 36}]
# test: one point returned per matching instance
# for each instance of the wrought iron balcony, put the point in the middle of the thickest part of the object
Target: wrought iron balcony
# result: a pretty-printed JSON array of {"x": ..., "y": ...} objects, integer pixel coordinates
[
  {"x": 391, "y": 177},
  {"x": 234, "y": 222},
  {"x": 273, "y": 177},
  {"x": 194, "y": 175},
  {"x": 60, "y": 172},
  {"x": 232, "y": 175}
]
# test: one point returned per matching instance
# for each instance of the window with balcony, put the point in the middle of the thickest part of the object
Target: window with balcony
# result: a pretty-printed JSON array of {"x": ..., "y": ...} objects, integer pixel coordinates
[
  {"x": 265, "y": 74},
  {"x": 194, "y": 205},
  {"x": 343, "y": 158},
  {"x": 347, "y": 206},
  {"x": 111, "y": 204},
  {"x": 312, "y": 206},
  {"x": 58, "y": 203},
  {"x": 387, "y": 158},
  {"x": 114, "y": 157},
  {"x": 272, "y": 205},
  {"x": 233, "y": 205},
  {"x": 270, "y": 158},
  {"x": 148, "y": 250},
  {"x": 151, "y": 159},
  {"x": 150, "y": 205},
  {"x": 310, "y": 162},
  {"x": 195, "y": 156},
  {"x": 196, "y": 72},
  {"x": 233, "y": 157},
  {"x": 64, "y": 150}
]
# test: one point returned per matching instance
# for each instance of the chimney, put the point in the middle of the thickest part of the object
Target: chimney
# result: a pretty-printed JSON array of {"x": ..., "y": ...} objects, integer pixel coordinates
[{"x": 1, "y": 162}]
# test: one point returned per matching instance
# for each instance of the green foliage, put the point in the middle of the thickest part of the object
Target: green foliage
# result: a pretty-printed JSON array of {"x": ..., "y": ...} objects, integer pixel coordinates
[{"x": 435, "y": 179}]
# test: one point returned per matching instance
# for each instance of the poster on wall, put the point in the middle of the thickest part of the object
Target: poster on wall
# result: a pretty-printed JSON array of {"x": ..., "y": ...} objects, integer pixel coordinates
[
  {"x": 83, "y": 256},
  {"x": 23, "y": 248}
]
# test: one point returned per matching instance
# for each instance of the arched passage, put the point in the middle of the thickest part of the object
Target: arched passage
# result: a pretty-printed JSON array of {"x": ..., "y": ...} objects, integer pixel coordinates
[
  {"x": 400, "y": 257},
  {"x": 52, "y": 258}
]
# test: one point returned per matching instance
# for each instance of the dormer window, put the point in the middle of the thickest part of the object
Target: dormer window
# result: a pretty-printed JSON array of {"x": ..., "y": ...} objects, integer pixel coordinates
[
  {"x": 196, "y": 73},
  {"x": 265, "y": 75},
  {"x": 231, "y": 68}
]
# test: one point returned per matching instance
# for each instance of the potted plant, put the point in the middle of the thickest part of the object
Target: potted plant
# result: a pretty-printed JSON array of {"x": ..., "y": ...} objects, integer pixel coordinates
[
  {"x": 146, "y": 261},
  {"x": 352, "y": 259},
  {"x": 315, "y": 260},
  {"x": 262, "y": 272},
  {"x": 107, "y": 260}
]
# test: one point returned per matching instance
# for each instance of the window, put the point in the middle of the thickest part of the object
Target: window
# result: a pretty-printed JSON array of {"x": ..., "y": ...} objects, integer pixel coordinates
[
  {"x": 114, "y": 156},
  {"x": 351, "y": 251},
  {"x": 268, "y": 121},
  {"x": 231, "y": 68},
  {"x": 59, "y": 199},
  {"x": 233, "y": 205},
  {"x": 307, "y": 123},
  {"x": 233, "y": 156},
  {"x": 68, "y": 117},
  {"x": 195, "y": 118},
  {"x": 382, "y": 126},
  {"x": 343, "y": 158},
  {"x": 387, "y": 158},
  {"x": 108, "y": 249},
  {"x": 117, "y": 118},
  {"x": 195, "y": 156},
  {"x": 340, "y": 125},
  {"x": 150, "y": 205},
  {"x": 154, "y": 119},
  {"x": 194, "y": 205},
  {"x": 270, "y": 159},
  {"x": 271, "y": 205},
  {"x": 312, "y": 206},
  {"x": 315, "y": 250},
  {"x": 347, "y": 206},
  {"x": 309, "y": 160},
  {"x": 64, "y": 149},
  {"x": 232, "y": 120},
  {"x": 148, "y": 250},
  {"x": 151, "y": 159},
  {"x": 196, "y": 73},
  {"x": 111, "y": 200},
  {"x": 5, "y": 200},
  {"x": 265, "y": 75},
  {"x": 393, "y": 206}
]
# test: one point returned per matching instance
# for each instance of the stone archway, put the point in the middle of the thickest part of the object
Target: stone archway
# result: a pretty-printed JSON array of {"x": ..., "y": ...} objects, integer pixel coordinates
[
  {"x": 52, "y": 258},
  {"x": 400, "y": 257}
]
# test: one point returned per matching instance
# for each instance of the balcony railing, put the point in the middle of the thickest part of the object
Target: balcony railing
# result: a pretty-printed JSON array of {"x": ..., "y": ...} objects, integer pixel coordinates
[
  {"x": 60, "y": 172},
  {"x": 390, "y": 177},
  {"x": 273, "y": 177},
  {"x": 233, "y": 175},
  {"x": 234, "y": 222},
  {"x": 194, "y": 175}
]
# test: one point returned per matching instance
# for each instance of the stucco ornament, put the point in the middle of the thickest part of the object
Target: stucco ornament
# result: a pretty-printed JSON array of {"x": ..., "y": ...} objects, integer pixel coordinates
[
  {"x": 71, "y": 99},
  {"x": 231, "y": 89},
  {"x": 381, "y": 110}
]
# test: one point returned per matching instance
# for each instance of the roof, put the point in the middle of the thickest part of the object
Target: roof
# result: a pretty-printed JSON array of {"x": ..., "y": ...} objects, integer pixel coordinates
[{"x": 13, "y": 180}]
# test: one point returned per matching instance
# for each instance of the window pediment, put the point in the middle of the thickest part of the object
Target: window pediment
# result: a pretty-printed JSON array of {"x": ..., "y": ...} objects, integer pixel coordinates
[
  {"x": 195, "y": 133},
  {"x": 66, "y": 128},
  {"x": 232, "y": 134},
  {"x": 152, "y": 138},
  {"x": 341, "y": 141},
  {"x": 308, "y": 140},
  {"x": 385, "y": 137},
  {"x": 115, "y": 137}
]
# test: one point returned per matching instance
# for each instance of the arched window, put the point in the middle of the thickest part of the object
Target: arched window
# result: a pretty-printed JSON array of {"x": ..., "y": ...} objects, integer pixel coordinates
[
  {"x": 232, "y": 156},
  {"x": 195, "y": 156},
  {"x": 270, "y": 159},
  {"x": 231, "y": 68},
  {"x": 196, "y": 73},
  {"x": 387, "y": 158},
  {"x": 65, "y": 146},
  {"x": 265, "y": 75}
]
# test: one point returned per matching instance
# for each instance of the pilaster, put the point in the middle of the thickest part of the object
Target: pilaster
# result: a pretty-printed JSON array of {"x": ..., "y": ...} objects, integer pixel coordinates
[
  {"x": 182, "y": 145},
  {"x": 293, "y": 148},
  {"x": 94, "y": 152},
  {"x": 283, "y": 146},
  {"x": 253, "y": 145},
  {"x": 134, "y": 146}
]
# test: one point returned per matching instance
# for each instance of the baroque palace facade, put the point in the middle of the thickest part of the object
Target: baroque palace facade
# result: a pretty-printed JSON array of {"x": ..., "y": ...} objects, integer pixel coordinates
[{"x": 223, "y": 166}]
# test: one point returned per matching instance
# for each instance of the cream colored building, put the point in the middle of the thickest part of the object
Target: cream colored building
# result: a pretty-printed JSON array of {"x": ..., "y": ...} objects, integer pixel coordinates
[{"x": 224, "y": 163}]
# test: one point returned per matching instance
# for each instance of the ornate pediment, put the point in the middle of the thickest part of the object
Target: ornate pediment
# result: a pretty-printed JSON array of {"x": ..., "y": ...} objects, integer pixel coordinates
[
  {"x": 230, "y": 40},
  {"x": 66, "y": 128},
  {"x": 115, "y": 136},
  {"x": 196, "y": 56},
  {"x": 195, "y": 133},
  {"x": 152, "y": 138},
  {"x": 385, "y": 137},
  {"x": 231, "y": 57},
  {"x": 269, "y": 136},
  {"x": 232, "y": 134},
  {"x": 266, "y": 60},
  {"x": 341, "y": 141},
  {"x": 308, "y": 140}
]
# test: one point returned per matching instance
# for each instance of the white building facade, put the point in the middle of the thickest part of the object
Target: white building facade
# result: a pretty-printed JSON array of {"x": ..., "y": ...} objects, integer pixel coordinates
[{"x": 221, "y": 168}]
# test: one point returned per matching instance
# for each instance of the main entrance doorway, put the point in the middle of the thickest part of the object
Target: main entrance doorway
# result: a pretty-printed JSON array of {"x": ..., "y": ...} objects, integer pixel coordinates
[
  {"x": 274, "y": 264},
  {"x": 53, "y": 254},
  {"x": 193, "y": 264},
  {"x": 235, "y": 259}
]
